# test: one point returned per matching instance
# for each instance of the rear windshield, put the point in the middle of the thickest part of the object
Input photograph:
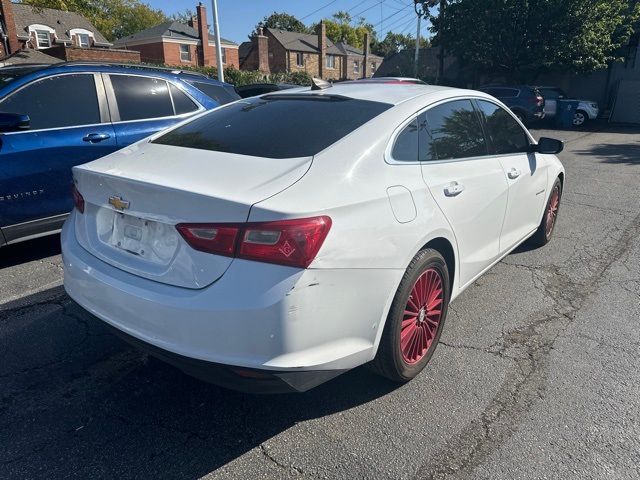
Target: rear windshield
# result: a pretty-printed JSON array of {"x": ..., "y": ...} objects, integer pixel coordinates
[
  {"x": 276, "y": 126},
  {"x": 220, "y": 93}
]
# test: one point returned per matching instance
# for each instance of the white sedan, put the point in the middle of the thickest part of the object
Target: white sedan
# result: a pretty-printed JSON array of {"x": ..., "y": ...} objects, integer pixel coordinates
[{"x": 276, "y": 242}]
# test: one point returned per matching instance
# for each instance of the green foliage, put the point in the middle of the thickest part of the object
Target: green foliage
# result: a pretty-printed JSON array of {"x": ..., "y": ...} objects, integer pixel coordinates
[
  {"x": 395, "y": 42},
  {"x": 340, "y": 29},
  {"x": 113, "y": 18},
  {"x": 246, "y": 77},
  {"x": 184, "y": 16},
  {"x": 281, "y": 21},
  {"x": 519, "y": 39}
]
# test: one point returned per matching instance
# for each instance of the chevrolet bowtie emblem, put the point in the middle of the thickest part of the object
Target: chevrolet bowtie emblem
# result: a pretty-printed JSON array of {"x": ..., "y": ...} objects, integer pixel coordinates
[{"x": 118, "y": 203}]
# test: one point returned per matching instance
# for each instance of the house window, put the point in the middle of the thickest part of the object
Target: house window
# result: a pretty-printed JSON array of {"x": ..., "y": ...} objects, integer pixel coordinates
[
  {"x": 83, "y": 40},
  {"x": 373, "y": 67},
  {"x": 224, "y": 55},
  {"x": 300, "y": 59},
  {"x": 185, "y": 53},
  {"x": 331, "y": 61},
  {"x": 43, "y": 39},
  {"x": 356, "y": 66}
]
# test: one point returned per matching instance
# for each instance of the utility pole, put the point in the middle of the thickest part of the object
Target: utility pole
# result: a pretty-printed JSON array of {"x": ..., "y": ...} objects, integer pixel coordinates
[
  {"x": 216, "y": 32},
  {"x": 421, "y": 8},
  {"x": 443, "y": 6},
  {"x": 417, "y": 54}
]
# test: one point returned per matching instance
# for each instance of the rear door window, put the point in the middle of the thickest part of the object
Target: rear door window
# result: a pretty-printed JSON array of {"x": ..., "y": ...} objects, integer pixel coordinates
[
  {"x": 405, "y": 148},
  {"x": 54, "y": 102},
  {"x": 504, "y": 132},
  {"x": 141, "y": 98},
  {"x": 181, "y": 102},
  {"x": 275, "y": 126},
  {"x": 454, "y": 131}
]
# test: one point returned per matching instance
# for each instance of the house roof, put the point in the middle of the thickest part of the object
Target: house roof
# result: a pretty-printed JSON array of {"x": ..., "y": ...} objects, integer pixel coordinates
[
  {"x": 170, "y": 29},
  {"x": 28, "y": 56},
  {"x": 351, "y": 50},
  {"x": 244, "y": 50},
  {"x": 59, "y": 20},
  {"x": 302, "y": 42},
  {"x": 305, "y": 42}
]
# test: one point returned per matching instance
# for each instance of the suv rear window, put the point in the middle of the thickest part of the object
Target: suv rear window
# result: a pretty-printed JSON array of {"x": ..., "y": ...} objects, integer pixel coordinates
[
  {"x": 220, "y": 93},
  {"x": 275, "y": 126}
]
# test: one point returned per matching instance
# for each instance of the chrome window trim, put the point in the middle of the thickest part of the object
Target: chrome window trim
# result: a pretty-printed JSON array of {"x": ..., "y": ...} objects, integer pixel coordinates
[
  {"x": 388, "y": 157},
  {"x": 36, "y": 80},
  {"x": 113, "y": 105}
]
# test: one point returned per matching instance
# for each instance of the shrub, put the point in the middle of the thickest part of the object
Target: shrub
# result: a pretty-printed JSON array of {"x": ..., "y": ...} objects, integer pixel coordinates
[{"x": 247, "y": 77}]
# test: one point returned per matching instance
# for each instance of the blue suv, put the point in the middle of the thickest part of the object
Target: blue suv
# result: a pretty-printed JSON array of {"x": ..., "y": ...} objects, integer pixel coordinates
[
  {"x": 53, "y": 117},
  {"x": 525, "y": 101}
]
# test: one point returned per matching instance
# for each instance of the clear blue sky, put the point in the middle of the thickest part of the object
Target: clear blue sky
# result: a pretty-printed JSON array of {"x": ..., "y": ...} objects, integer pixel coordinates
[{"x": 238, "y": 17}]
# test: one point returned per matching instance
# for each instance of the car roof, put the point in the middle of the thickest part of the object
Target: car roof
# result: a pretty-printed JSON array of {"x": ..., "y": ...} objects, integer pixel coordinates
[
  {"x": 112, "y": 68},
  {"x": 394, "y": 94}
]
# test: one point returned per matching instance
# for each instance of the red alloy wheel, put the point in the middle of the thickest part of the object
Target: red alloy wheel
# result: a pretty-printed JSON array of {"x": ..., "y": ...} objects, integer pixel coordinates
[
  {"x": 422, "y": 316},
  {"x": 552, "y": 211}
]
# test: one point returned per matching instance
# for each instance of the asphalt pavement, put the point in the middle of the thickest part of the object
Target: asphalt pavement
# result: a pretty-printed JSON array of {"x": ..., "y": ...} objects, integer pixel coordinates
[{"x": 537, "y": 374}]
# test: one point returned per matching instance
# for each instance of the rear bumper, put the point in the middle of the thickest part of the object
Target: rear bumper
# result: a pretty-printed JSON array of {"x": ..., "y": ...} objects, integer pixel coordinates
[{"x": 257, "y": 316}]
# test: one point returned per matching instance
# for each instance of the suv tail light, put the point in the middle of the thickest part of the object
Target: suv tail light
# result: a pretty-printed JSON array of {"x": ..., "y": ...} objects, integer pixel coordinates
[
  {"x": 538, "y": 100},
  {"x": 285, "y": 242},
  {"x": 78, "y": 199}
]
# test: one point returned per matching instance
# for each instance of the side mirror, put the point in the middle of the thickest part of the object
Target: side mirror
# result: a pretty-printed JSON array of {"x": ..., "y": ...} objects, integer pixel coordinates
[
  {"x": 10, "y": 122},
  {"x": 548, "y": 145}
]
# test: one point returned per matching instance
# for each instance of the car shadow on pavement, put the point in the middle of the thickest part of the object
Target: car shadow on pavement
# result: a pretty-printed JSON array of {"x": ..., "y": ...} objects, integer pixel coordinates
[
  {"x": 29, "y": 250},
  {"x": 76, "y": 401},
  {"x": 615, "y": 153}
]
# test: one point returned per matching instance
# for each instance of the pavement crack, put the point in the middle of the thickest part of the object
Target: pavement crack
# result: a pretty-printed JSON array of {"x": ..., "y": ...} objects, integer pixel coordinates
[
  {"x": 529, "y": 346},
  {"x": 290, "y": 467}
]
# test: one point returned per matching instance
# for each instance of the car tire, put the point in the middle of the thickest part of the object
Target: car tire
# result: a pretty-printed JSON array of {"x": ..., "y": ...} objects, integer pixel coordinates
[
  {"x": 549, "y": 219},
  {"x": 580, "y": 118},
  {"x": 522, "y": 117},
  {"x": 416, "y": 318}
]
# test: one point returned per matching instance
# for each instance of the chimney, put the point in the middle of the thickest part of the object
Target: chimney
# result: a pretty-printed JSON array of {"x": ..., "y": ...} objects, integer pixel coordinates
[
  {"x": 365, "y": 63},
  {"x": 262, "y": 44},
  {"x": 207, "y": 53},
  {"x": 9, "y": 26},
  {"x": 322, "y": 46}
]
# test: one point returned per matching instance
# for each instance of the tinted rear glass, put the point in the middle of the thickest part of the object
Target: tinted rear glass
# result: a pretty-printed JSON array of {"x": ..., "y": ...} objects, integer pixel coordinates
[
  {"x": 275, "y": 126},
  {"x": 220, "y": 93}
]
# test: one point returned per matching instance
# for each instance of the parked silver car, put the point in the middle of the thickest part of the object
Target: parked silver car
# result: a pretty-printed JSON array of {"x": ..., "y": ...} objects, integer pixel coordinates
[{"x": 587, "y": 109}]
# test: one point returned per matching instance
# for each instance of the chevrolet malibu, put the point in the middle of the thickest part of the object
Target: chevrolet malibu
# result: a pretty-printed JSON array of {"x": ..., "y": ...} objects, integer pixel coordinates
[{"x": 276, "y": 242}]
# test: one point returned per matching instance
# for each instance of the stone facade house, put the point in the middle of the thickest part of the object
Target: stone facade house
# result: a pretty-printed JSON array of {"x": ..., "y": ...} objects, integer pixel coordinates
[
  {"x": 273, "y": 51},
  {"x": 54, "y": 34},
  {"x": 176, "y": 43}
]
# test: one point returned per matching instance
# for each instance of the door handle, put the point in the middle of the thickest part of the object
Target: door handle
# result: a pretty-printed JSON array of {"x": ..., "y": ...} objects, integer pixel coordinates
[
  {"x": 96, "y": 137},
  {"x": 513, "y": 173},
  {"x": 453, "y": 189}
]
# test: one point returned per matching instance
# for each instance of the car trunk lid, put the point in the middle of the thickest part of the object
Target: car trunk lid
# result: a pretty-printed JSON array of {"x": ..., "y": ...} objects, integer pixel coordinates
[{"x": 135, "y": 198}]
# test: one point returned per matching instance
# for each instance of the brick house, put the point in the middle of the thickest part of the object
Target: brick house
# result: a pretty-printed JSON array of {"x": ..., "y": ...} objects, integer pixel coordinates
[
  {"x": 276, "y": 51},
  {"x": 176, "y": 43},
  {"x": 53, "y": 34}
]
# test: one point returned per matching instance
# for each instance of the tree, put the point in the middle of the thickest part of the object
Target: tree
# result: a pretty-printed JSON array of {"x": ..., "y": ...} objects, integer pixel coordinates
[
  {"x": 184, "y": 16},
  {"x": 113, "y": 18},
  {"x": 395, "y": 42},
  {"x": 340, "y": 29},
  {"x": 281, "y": 21},
  {"x": 519, "y": 39}
]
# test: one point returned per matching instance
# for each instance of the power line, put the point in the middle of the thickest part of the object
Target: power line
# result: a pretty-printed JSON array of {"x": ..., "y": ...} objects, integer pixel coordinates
[{"x": 321, "y": 8}]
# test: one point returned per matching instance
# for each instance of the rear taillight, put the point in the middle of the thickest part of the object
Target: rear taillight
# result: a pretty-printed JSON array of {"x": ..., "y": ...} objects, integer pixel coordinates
[
  {"x": 210, "y": 238},
  {"x": 537, "y": 100},
  {"x": 78, "y": 200},
  {"x": 285, "y": 242}
]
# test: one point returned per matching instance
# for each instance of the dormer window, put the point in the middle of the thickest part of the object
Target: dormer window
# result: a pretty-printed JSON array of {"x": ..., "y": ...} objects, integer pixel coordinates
[
  {"x": 43, "y": 35},
  {"x": 43, "y": 39},
  {"x": 81, "y": 38}
]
